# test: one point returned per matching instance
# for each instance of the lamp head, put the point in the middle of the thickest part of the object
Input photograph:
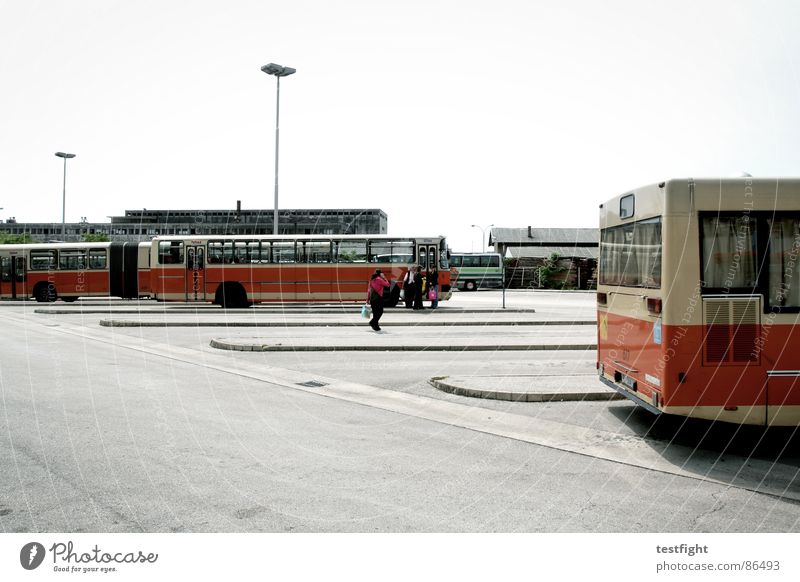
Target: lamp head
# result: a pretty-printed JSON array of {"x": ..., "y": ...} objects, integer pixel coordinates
[
  {"x": 278, "y": 70},
  {"x": 64, "y": 155}
]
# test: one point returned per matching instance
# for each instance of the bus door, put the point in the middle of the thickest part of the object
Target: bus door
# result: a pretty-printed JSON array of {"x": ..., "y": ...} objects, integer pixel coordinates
[
  {"x": 5, "y": 276},
  {"x": 195, "y": 274},
  {"x": 428, "y": 257},
  {"x": 18, "y": 277}
]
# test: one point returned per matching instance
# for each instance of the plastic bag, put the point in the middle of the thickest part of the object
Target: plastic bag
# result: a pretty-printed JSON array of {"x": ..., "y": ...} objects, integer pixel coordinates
[
  {"x": 366, "y": 311},
  {"x": 432, "y": 295}
]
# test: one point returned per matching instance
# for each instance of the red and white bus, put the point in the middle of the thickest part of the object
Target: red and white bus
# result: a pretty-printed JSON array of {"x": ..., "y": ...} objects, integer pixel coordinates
[
  {"x": 46, "y": 272},
  {"x": 237, "y": 271},
  {"x": 699, "y": 298}
]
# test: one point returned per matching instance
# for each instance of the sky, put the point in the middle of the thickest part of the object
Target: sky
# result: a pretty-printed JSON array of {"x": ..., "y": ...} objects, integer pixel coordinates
[{"x": 443, "y": 113}]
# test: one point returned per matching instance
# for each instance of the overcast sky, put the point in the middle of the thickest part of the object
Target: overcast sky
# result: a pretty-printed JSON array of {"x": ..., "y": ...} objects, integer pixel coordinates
[{"x": 442, "y": 113}]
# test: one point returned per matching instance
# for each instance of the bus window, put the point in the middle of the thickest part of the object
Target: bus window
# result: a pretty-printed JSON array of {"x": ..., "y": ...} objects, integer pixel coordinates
[
  {"x": 455, "y": 261},
  {"x": 490, "y": 261},
  {"x": 265, "y": 252},
  {"x": 43, "y": 261},
  {"x": 5, "y": 269},
  {"x": 630, "y": 255},
  {"x": 729, "y": 252},
  {"x": 170, "y": 252},
  {"x": 471, "y": 261},
  {"x": 72, "y": 260},
  {"x": 351, "y": 251},
  {"x": 215, "y": 255},
  {"x": 315, "y": 251},
  {"x": 241, "y": 253},
  {"x": 626, "y": 206},
  {"x": 384, "y": 251},
  {"x": 784, "y": 247},
  {"x": 444, "y": 259},
  {"x": 432, "y": 257},
  {"x": 283, "y": 252},
  {"x": 97, "y": 259}
]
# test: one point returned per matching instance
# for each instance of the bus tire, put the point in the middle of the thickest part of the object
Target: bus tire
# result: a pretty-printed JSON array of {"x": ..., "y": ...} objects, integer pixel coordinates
[
  {"x": 231, "y": 296},
  {"x": 45, "y": 292},
  {"x": 470, "y": 286}
]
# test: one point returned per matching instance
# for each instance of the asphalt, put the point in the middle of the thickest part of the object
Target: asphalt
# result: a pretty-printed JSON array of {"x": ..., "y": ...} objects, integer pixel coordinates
[{"x": 295, "y": 328}]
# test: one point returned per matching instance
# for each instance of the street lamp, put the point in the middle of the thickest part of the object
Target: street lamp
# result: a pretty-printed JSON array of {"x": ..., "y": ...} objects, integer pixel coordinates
[
  {"x": 278, "y": 71},
  {"x": 64, "y": 195},
  {"x": 483, "y": 235}
]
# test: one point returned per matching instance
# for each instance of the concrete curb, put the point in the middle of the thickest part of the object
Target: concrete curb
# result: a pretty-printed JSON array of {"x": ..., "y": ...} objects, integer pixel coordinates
[
  {"x": 441, "y": 383},
  {"x": 181, "y": 310},
  {"x": 126, "y": 323},
  {"x": 278, "y": 347}
]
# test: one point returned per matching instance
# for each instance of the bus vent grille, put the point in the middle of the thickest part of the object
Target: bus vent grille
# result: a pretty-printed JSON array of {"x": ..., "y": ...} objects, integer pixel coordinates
[{"x": 732, "y": 328}]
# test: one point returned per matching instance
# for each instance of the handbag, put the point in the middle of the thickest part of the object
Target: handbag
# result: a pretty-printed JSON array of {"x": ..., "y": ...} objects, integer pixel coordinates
[
  {"x": 366, "y": 311},
  {"x": 432, "y": 294}
]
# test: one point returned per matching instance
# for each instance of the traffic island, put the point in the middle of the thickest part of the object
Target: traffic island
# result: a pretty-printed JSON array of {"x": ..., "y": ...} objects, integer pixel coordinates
[{"x": 527, "y": 388}]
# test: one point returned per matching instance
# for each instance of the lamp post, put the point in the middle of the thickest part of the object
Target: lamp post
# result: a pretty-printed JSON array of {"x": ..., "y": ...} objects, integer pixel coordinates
[
  {"x": 64, "y": 195},
  {"x": 278, "y": 71},
  {"x": 483, "y": 235}
]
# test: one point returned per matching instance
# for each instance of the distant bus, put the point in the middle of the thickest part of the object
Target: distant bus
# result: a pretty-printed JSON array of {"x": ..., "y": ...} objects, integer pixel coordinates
[
  {"x": 237, "y": 271},
  {"x": 49, "y": 271},
  {"x": 473, "y": 271}
]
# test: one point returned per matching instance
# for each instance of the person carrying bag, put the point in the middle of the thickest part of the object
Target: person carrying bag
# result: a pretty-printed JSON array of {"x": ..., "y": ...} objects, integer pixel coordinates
[
  {"x": 433, "y": 288},
  {"x": 377, "y": 285}
]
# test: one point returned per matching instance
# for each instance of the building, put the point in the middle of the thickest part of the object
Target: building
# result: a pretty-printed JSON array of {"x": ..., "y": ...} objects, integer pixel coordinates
[
  {"x": 548, "y": 257},
  {"x": 140, "y": 225}
]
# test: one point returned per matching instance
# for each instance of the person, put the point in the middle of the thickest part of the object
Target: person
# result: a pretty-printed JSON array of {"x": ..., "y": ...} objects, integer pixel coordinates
[
  {"x": 409, "y": 283},
  {"x": 377, "y": 284},
  {"x": 433, "y": 287},
  {"x": 419, "y": 286}
]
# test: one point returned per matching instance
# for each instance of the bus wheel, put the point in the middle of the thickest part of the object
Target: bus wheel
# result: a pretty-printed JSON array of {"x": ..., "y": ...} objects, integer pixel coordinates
[
  {"x": 231, "y": 295},
  {"x": 45, "y": 293},
  {"x": 470, "y": 286}
]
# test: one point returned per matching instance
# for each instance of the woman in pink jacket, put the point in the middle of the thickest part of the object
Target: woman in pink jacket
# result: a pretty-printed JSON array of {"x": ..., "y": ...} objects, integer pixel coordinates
[{"x": 377, "y": 284}]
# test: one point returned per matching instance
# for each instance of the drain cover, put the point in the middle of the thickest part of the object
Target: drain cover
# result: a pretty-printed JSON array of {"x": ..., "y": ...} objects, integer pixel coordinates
[{"x": 312, "y": 384}]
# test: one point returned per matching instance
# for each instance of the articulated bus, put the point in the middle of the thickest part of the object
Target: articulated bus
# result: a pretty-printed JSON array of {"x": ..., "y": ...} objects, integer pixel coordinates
[
  {"x": 237, "y": 271},
  {"x": 473, "y": 271},
  {"x": 46, "y": 272},
  {"x": 699, "y": 299}
]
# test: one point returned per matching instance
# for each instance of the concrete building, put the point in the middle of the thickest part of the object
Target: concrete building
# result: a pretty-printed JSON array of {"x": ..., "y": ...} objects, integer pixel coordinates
[{"x": 140, "y": 225}]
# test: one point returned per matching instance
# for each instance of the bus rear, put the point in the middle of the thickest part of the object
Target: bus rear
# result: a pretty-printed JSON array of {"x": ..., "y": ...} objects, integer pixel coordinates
[{"x": 698, "y": 299}]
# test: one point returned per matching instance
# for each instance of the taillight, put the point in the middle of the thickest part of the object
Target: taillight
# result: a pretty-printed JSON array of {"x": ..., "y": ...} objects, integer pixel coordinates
[
  {"x": 602, "y": 299},
  {"x": 654, "y": 305}
]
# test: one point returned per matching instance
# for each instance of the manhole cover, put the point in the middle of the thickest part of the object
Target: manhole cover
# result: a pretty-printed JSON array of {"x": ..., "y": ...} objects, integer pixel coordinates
[{"x": 312, "y": 384}]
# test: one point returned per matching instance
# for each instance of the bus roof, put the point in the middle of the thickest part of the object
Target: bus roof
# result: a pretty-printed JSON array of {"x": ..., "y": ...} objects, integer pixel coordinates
[
  {"x": 684, "y": 195},
  {"x": 285, "y": 237}
]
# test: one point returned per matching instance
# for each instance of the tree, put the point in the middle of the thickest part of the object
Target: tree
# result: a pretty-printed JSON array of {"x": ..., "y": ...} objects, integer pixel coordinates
[
  {"x": 97, "y": 237},
  {"x": 15, "y": 239}
]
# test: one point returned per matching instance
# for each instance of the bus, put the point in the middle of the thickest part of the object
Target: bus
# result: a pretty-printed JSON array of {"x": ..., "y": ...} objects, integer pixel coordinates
[
  {"x": 49, "y": 271},
  {"x": 237, "y": 271},
  {"x": 698, "y": 299},
  {"x": 473, "y": 271}
]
